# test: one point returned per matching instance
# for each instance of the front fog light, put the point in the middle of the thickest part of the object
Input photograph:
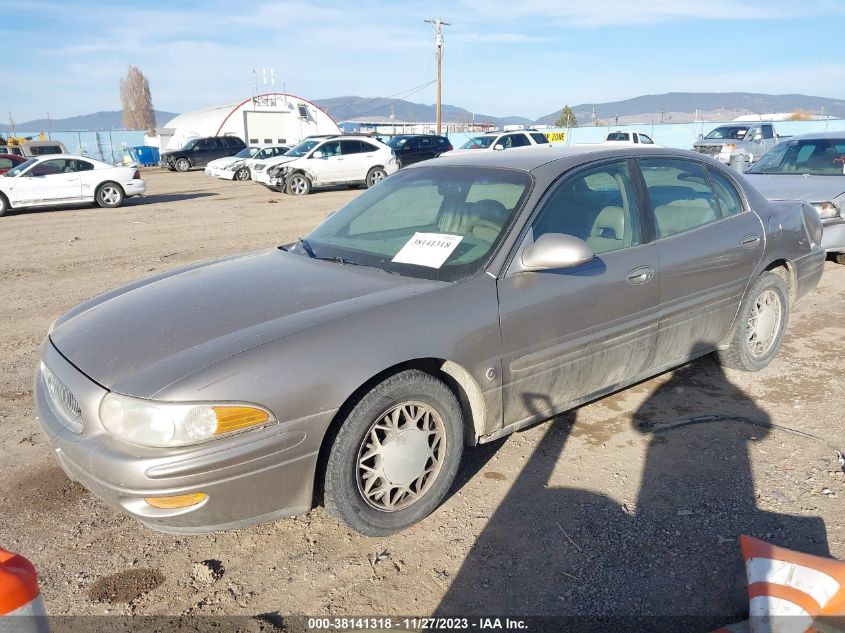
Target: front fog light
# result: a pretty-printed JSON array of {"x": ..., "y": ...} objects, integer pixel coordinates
[{"x": 165, "y": 424}]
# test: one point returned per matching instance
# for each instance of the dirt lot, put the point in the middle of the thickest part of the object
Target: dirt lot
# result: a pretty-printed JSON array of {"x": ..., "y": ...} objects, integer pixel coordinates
[{"x": 596, "y": 512}]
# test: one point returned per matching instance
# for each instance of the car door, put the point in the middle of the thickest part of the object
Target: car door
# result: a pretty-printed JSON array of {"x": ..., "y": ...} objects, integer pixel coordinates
[
  {"x": 326, "y": 163},
  {"x": 427, "y": 148},
  {"x": 89, "y": 178},
  {"x": 708, "y": 244},
  {"x": 356, "y": 159},
  {"x": 569, "y": 334},
  {"x": 203, "y": 152},
  {"x": 54, "y": 180}
]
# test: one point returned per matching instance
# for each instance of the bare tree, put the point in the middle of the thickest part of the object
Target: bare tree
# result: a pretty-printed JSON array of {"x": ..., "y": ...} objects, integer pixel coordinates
[{"x": 137, "y": 102}]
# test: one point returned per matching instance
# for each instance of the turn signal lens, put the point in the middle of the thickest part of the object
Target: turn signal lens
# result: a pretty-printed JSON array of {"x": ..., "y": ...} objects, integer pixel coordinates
[
  {"x": 180, "y": 501},
  {"x": 236, "y": 418}
]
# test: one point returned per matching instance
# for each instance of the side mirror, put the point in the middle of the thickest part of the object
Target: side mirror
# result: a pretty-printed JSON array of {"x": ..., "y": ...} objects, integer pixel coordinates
[
  {"x": 758, "y": 137},
  {"x": 498, "y": 147},
  {"x": 555, "y": 250},
  {"x": 700, "y": 136},
  {"x": 317, "y": 154}
]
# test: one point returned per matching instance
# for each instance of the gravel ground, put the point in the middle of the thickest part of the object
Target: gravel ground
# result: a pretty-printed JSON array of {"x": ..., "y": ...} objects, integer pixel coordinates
[{"x": 598, "y": 511}]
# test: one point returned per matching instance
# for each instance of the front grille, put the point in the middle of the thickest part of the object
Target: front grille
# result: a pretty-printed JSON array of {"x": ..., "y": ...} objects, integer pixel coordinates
[
  {"x": 709, "y": 150},
  {"x": 62, "y": 401}
]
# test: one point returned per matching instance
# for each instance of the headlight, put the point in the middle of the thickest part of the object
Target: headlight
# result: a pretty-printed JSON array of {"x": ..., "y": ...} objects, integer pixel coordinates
[
  {"x": 827, "y": 210},
  {"x": 730, "y": 146},
  {"x": 166, "y": 424},
  {"x": 258, "y": 167}
]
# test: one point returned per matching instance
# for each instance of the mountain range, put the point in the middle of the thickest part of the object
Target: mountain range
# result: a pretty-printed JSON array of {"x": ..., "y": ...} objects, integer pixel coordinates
[{"x": 673, "y": 107}]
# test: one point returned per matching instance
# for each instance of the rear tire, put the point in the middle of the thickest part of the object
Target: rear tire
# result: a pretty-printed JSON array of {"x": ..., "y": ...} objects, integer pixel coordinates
[
  {"x": 109, "y": 195},
  {"x": 298, "y": 185},
  {"x": 395, "y": 456},
  {"x": 183, "y": 165},
  {"x": 761, "y": 324},
  {"x": 375, "y": 176}
]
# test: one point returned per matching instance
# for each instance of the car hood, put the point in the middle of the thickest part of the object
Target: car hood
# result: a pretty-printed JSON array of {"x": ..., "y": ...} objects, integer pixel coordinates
[
  {"x": 281, "y": 160},
  {"x": 798, "y": 186},
  {"x": 138, "y": 339}
]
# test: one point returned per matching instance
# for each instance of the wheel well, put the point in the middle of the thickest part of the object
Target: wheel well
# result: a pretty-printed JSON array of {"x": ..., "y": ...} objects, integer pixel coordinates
[
  {"x": 432, "y": 366},
  {"x": 786, "y": 271},
  {"x": 6, "y": 200}
]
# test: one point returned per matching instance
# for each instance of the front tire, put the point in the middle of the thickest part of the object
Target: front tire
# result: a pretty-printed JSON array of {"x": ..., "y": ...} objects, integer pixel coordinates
[
  {"x": 109, "y": 195},
  {"x": 761, "y": 325},
  {"x": 242, "y": 174},
  {"x": 4, "y": 205},
  {"x": 839, "y": 257},
  {"x": 396, "y": 455},
  {"x": 298, "y": 185},
  {"x": 375, "y": 176},
  {"x": 183, "y": 165}
]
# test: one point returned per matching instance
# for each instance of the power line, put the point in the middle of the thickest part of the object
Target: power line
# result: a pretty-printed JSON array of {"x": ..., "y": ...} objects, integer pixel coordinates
[{"x": 404, "y": 93}]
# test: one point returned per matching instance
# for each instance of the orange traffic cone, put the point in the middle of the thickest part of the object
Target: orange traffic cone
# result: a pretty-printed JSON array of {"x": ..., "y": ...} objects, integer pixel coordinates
[
  {"x": 19, "y": 596},
  {"x": 789, "y": 590}
]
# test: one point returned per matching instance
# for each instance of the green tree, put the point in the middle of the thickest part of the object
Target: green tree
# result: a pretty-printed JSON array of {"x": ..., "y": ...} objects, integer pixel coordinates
[{"x": 567, "y": 118}]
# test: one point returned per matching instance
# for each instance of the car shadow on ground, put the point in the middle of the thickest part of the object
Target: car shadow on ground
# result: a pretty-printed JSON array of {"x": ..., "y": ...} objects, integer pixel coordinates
[
  {"x": 168, "y": 197},
  {"x": 569, "y": 552}
]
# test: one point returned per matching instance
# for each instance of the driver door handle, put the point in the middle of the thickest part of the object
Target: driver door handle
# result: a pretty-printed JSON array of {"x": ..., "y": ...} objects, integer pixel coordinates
[{"x": 640, "y": 275}]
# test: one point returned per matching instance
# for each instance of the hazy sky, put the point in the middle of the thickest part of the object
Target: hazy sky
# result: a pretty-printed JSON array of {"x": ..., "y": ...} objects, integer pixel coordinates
[{"x": 522, "y": 57}]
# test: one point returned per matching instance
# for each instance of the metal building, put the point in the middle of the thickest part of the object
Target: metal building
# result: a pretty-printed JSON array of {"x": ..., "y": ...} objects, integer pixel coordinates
[{"x": 273, "y": 117}]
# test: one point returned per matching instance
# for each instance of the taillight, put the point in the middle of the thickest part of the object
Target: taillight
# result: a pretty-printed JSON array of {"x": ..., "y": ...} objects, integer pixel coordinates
[
  {"x": 137, "y": 175},
  {"x": 449, "y": 147}
]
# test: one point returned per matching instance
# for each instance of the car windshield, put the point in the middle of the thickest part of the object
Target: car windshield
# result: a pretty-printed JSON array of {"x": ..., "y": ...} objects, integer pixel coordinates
[
  {"x": 816, "y": 157},
  {"x": 20, "y": 168},
  {"x": 397, "y": 142},
  {"x": 439, "y": 223},
  {"x": 247, "y": 152},
  {"x": 303, "y": 148},
  {"x": 189, "y": 145},
  {"x": 733, "y": 132},
  {"x": 479, "y": 142}
]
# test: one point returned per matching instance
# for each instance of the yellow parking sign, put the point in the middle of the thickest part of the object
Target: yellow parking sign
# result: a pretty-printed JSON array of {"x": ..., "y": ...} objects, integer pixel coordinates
[{"x": 556, "y": 136}]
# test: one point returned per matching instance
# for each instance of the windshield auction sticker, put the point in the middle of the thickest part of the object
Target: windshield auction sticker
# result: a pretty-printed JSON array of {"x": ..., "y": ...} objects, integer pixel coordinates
[{"x": 428, "y": 249}]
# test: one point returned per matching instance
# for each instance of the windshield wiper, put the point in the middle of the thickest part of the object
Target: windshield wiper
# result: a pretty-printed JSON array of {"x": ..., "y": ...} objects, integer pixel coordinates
[{"x": 306, "y": 247}]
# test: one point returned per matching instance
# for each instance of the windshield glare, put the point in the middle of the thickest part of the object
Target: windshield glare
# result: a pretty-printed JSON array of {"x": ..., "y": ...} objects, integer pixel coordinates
[
  {"x": 816, "y": 157},
  {"x": 479, "y": 142},
  {"x": 464, "y": 210},
  {"x": 20, "y": 168},
  {"x": 303, "y": 148},
  {"x": 733, "y": 132}
]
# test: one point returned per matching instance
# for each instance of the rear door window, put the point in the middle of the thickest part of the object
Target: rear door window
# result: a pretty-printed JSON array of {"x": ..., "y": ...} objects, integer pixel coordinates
[
  {"x": 680, "y": 194},
  {"x": 519, "y": 140},
  {"x": 350, "y": 147},
  {"x": 539, "y": 138},
  {"x": 730, "y": 202}
]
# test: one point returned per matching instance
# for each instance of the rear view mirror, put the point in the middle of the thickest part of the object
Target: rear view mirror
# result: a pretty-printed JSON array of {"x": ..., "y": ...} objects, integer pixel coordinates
[{"x": 555, "y": 250}]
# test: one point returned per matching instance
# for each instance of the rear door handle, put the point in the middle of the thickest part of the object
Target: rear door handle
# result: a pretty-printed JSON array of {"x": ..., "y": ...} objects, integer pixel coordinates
[
  {"x": 750, "y": 241},
  {"x": 640, "y": 275}
]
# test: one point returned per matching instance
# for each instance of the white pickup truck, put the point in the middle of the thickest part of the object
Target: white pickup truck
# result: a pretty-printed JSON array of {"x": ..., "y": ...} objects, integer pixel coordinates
[
  {"x": 629, "y": 138},
  {"x": 749, "y": 140}
]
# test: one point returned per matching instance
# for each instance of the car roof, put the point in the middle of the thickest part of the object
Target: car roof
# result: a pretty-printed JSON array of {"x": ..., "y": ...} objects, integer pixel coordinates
[
  {"x": 75, "y": 156},
  {"x": 534, "y": 156},
  {"x": 817, "y": 135}
]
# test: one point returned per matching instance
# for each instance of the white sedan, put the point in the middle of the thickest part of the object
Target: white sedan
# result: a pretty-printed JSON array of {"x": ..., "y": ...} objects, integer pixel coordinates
[
  {"x": 66, "y": 179},
  {"x": 239, "y": 166}
]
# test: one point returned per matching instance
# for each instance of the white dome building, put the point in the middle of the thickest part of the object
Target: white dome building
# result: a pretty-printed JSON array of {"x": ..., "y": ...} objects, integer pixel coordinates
[{"x": 273, "y": 117}]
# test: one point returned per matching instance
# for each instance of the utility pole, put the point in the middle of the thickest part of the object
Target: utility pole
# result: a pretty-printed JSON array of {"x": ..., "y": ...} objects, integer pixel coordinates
[{"x": 438, "y": 43}]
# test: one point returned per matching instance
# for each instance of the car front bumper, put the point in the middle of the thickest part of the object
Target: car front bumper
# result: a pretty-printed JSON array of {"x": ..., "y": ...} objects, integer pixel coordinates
[
  {"x": 225, "y": 174},
  {"x": 833, "y": 236},
  {"x": 251, "y": 477}
]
